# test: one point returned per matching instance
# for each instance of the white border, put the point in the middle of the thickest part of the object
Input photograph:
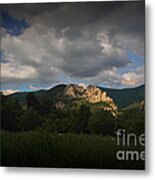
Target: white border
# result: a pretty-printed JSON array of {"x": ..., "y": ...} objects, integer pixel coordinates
[
  {"x": 70, "y": 174},
  {"x": 31, "y": 1}
]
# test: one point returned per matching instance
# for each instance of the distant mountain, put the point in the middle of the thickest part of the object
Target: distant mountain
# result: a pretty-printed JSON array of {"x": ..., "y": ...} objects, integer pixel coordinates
[
  {"x": 125, "y": 97},
  {"x": 41, "y": 95},
  {"x": 66, "y": 93}
]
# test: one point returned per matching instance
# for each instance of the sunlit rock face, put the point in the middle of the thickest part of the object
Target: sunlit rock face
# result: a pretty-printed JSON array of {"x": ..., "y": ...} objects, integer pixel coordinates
[
  {"x": 92, "y": 94},
  {"x": 74, "y": 91}
]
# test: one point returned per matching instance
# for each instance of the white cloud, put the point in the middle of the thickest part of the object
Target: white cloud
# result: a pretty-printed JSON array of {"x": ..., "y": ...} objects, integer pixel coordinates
[
  {"x": 132, "y": 79},
  {"x": 18, "y": 72},
  {"x": 10, "y": 91},
  {"x": 61, "y": 44}
]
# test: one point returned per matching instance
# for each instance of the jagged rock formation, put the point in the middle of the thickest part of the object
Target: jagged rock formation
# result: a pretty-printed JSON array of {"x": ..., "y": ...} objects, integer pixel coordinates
[
  {"x": 95, "y": 95},
  {"x": 59, "y": 105},
  {"x": 92, "y": 94},
  {"x": 74, "y": 91}
]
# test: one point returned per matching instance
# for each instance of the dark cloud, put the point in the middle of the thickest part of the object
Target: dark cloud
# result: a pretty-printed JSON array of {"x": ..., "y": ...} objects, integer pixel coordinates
[
  {"x": 80, "y": 41},
  {"x": 127, "y": 16}
]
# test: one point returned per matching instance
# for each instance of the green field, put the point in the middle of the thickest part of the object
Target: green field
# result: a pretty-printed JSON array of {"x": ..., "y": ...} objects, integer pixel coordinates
[{"x": 38, "y": 149}]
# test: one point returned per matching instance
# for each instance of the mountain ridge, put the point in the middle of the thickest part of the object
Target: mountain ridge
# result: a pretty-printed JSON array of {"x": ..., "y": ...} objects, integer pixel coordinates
[
  {"x": 122, "y": 97},
  {"x": 127, "y": 96}
]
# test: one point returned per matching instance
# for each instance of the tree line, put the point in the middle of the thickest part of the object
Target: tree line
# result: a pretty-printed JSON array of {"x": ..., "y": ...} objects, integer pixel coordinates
[{"x": 71, "y": 119}]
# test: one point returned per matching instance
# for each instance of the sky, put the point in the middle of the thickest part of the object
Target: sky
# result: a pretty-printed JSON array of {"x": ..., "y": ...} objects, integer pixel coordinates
[{"x": 97, "y": 43}]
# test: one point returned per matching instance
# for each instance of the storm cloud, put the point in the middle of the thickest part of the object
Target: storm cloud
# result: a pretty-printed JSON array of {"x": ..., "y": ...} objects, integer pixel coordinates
[{"x": 72, "y": 42}]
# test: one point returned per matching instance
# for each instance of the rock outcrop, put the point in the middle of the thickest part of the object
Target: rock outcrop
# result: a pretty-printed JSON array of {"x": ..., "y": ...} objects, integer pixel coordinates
[
  {"x": 92, "y": 94},
  {"x": 74, "y": 91},
  {"x": 95, "y": 95},
  {"x": 59, "y": 105}
]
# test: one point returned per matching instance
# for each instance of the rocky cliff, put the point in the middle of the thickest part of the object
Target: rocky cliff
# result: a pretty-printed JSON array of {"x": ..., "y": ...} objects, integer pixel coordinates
[{"x": 92, "y": 94}]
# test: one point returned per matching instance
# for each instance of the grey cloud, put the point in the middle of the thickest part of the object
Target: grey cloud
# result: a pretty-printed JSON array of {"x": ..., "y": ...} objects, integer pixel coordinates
[{"x": 63, "y": 39}]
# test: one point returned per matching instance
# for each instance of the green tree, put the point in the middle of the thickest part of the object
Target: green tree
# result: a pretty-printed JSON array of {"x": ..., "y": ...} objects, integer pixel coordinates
[
  {"x": 83, "y": 117},
  {"x": 10, "y": 113},
  {"x": 102, "y": 122},
  {"x": 56, "y": 121},
  {"x": 30, "y": 120},
  {"x": 32, "y": 101},
  {"x": 132, "y": 120},
  {"x": 46, "y": 107}
]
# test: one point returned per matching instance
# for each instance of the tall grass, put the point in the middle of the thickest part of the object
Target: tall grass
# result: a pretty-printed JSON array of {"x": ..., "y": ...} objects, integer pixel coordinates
[{"x": 41, "y": 149}]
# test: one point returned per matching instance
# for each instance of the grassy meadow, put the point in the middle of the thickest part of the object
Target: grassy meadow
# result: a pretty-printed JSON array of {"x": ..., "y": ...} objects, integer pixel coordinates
[{"x": 38, "y": 149}]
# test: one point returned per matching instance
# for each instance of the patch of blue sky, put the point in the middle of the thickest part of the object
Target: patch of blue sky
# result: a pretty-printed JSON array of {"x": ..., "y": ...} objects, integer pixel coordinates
[
  {"x": 136, "y": 61},
  {"x": 103, "y": 85},
  {"x": 13, "y": 26},
  {"x": 16, "y": 86}
]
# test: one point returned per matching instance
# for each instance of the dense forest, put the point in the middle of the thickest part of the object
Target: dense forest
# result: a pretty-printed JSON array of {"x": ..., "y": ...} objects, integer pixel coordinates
[{"x": 40, "y": 134}]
